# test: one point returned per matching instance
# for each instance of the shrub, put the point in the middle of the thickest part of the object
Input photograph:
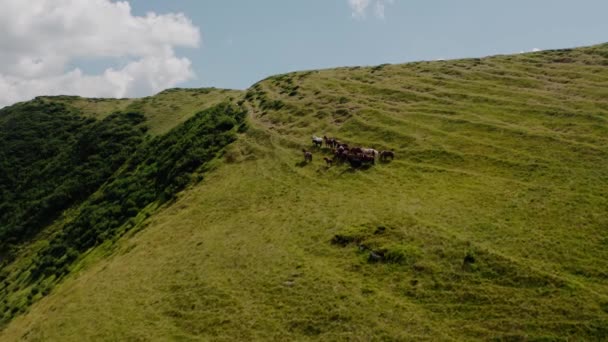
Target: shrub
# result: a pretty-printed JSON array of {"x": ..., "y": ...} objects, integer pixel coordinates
[
  {"x": 400, "y": 254},
  {"x": 350, "y": 235}
]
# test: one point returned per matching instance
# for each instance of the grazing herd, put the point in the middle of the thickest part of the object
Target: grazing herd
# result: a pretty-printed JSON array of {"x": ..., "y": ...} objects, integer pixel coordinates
[{"x": 342, "y": 152}]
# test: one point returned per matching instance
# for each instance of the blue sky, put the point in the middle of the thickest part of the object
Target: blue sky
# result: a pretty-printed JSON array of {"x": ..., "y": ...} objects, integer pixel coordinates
[
  {"x": 245, "y": 41},
  {"x": 110, "y": 48}
]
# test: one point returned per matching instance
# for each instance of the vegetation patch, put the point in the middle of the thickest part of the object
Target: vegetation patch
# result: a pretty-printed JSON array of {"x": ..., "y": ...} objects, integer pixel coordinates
[
  {"x": 153, "y": 173},
  {"x": 380, "y": 244},
  {"x": 43, "y": 174}
]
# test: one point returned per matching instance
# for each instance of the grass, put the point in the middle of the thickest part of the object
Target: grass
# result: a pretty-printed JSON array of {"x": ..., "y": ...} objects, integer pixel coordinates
[
  {"x": 489, "y": 224},
  {"x": 163, "y": 111}
]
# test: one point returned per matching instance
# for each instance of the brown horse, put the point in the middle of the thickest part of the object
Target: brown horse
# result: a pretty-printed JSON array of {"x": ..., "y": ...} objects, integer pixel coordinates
[
  {"x": 339, "y": 144},
  {"x": 356, "y": 150},
  {"x": 340, "y": 154},
  {"x": 384, "y": 155},
  {"x": 307, "y": 156},
  {"x": 329, "y": 162},
  {"x": 329, "y": 142},
  {"x": 366, "y": 158}
]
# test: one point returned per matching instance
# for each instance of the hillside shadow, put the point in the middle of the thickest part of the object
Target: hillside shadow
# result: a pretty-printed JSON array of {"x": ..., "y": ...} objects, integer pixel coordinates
[{"x": 349, "y": 170}]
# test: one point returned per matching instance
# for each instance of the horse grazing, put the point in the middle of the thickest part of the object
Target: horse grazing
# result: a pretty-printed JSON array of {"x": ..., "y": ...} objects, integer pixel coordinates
[
  {"x": 307, "y": 156},
  {"x": 339, "y": 155},
  {"x": 356, "y": 150},
  {"x": 370, "y": 152},
  {"x": 329, "y": 162},
  {"x": 318, "y": 142},
  {"x": 367, "y": 158},
  {"x": 354, "y": 161},
  {"x": 384, "y": 155}
]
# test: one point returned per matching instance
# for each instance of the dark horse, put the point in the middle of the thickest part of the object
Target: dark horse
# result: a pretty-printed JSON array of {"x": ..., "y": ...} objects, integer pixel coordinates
[
  {"x": 329, "y": 142},
  {"x": 307, "y": 156},
  {"x": 355, "y": 162},
  {"x": 384, "y": 155},
  {"x": 356, "y": 150}
]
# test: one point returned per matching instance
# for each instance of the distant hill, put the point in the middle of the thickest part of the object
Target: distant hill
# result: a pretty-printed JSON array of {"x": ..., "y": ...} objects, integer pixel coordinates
[{"x": 190, "y": 215}]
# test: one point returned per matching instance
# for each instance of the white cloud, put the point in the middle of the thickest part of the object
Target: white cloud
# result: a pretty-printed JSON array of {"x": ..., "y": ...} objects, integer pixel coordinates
[
  {"x": 40, "y": 38},
  {"x": 360, "y": 8}
]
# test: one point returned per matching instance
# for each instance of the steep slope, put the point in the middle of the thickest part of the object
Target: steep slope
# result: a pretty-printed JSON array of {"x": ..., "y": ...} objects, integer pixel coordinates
[
  {"x": 72, "y": 181},
  {"x": 490, "y": 222}
]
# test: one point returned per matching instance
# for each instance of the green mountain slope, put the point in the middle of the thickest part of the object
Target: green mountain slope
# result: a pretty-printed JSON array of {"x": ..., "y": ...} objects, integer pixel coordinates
[
  {"x": 71, "y": 182},
  {"x": 490, "y": 222}
]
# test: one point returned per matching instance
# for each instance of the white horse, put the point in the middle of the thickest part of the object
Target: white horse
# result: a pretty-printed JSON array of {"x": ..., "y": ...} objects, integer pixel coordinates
[
  {"x": 370, "y": 152},
  {"x": 317, "y": 141}
]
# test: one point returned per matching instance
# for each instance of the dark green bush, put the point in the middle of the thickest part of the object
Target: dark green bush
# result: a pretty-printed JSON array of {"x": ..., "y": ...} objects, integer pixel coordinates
[{"x": 52, "y": 158}]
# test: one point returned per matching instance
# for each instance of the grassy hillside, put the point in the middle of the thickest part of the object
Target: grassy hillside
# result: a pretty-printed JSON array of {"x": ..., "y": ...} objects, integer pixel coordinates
[
  {"x": 72, "y": 181},
  {"x": 490, "y": 222}
]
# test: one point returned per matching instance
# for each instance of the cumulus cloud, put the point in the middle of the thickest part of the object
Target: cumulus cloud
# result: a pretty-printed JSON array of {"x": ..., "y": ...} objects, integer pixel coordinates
[
  {"x": 360, "y": 8},
  {"x": 40, "y": 38}
]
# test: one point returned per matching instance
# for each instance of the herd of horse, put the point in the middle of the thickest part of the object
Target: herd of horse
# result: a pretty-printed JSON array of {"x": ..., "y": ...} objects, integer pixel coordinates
[{"x": 342, "y": 152}]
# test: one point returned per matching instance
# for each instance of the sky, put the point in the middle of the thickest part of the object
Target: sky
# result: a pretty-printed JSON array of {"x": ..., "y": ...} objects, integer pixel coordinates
[{"x": 106, "y": 48}]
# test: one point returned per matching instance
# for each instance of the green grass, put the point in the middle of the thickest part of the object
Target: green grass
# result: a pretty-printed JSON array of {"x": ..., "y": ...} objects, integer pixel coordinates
[
  {"x": 490, "y": 223},
  {"x": 163, "y": 111}
]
